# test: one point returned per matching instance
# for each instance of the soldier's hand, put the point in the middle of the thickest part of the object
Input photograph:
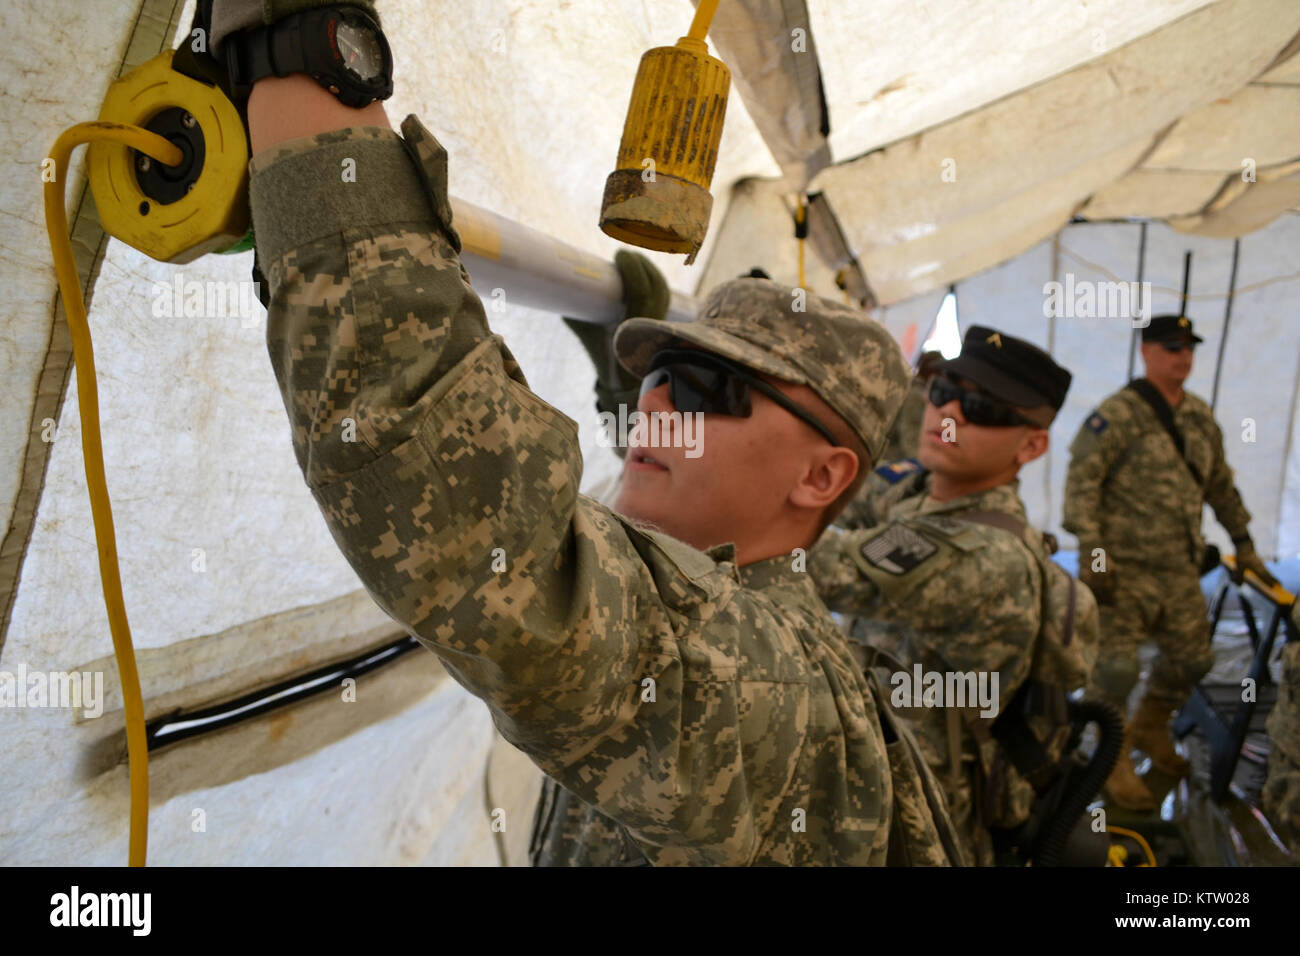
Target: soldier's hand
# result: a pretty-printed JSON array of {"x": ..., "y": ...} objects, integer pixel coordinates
[
  {"x": 1248, "y": 560},
  {"x": 645, "y": 294}
]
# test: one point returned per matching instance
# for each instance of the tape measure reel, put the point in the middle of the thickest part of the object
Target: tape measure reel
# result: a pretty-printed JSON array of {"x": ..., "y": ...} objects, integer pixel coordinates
[{"x": 172, "y": 213}]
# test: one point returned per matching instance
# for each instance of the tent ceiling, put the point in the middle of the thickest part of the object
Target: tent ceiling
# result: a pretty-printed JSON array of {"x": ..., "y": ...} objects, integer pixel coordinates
[
  {"x": 896, "y": 67},
  {"x": 1104, "y": 111}
]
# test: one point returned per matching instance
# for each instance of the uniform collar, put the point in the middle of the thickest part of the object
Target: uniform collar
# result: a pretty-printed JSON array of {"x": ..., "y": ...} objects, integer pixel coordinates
[
  {"x": 771, "y": 572},
  {"x": 1003, "y": 498}
]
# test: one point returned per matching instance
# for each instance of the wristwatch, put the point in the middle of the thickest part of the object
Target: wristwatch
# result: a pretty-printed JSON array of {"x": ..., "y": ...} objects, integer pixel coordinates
[{"x": 341, "y": 48}]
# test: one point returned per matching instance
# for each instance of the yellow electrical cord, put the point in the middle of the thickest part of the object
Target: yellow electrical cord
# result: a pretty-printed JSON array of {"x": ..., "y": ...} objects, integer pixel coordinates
[
  {"x": 1139, "y": 839},
  {"x": 703, "y": 17},
  {"x": 56, "y": 224}
]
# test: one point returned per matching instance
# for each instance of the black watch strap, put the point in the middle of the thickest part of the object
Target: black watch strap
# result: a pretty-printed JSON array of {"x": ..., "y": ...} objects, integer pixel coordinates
[
  {"x": 271, "y": 51},
  {"x": 286, "y": 47}
]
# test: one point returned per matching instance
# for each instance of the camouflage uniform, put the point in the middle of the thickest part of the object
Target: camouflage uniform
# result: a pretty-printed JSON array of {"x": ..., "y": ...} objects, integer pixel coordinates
[
  {"x": 953, "y": 595},
  {"x": 1128, "y": 493},
  {"x": 1281, "y": 795},
  {"x": 760, "y": 718},
  {"x": 903, "y": 437}
]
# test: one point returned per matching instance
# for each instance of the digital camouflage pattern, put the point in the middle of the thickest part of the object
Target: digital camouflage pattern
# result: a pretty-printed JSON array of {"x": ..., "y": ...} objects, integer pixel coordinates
[
  {"x": 848, "y": 359},
  {"x": 570, "y": 832},
  {"x": 885, "y": 487},
  {"x": 1281, "y": 794},
  {"x": 904, "y": 436},
  {"x": 1128, "y": 493},
  {"x": 432, "y": 461},
  {"x": 1168, "y": 609},
  {"x": 925, "y": 586}
]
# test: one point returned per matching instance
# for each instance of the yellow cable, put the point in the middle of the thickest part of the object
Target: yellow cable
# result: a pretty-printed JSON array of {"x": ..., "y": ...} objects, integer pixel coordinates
[
  {"x": 703, "y": 17},
  {"x": 56, "y": 223},
  {"x": 1139, "y": 838}
]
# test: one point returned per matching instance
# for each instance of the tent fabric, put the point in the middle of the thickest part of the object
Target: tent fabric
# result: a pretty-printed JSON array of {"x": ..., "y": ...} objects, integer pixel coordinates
[
  {"x": 1049, "y": 111},
  {"x": 1261, "y": 354}
]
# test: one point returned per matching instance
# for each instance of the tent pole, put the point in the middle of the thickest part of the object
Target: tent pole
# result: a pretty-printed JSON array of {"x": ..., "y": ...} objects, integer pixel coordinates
[
  {"x": 1142, "y": 263},
  {"x": 1286, "y": 457},
  {"x": 514, "y": 264},
  {"x": 1227, "y": 317}
]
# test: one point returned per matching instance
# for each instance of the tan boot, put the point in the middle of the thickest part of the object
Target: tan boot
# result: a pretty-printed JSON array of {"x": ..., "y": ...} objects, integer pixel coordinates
[
  {"x": 1124, "y": 787},
  {"x": 1150, "y": 734}
]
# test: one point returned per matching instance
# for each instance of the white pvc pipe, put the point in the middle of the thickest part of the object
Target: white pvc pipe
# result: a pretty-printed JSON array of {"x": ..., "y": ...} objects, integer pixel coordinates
[{"x": 522, "y": 266}]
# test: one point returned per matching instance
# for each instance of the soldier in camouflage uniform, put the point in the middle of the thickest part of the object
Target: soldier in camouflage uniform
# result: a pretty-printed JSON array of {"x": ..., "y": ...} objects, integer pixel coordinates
[
  {"x": 1134, "y": 499},
  {"x": 934, "y": 571},
  {"x": 1281, "y": 795},
  {"x": 705, "y": 702}
]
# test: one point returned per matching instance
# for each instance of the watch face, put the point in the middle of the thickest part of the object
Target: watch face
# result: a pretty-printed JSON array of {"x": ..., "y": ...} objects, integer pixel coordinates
[{"x": 360, "y": 50}]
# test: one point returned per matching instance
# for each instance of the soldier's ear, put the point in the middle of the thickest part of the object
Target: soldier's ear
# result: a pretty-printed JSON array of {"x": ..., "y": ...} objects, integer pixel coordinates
[
  {"x": 1034, "y": 445},
  {"x": 830, "y": 473}
]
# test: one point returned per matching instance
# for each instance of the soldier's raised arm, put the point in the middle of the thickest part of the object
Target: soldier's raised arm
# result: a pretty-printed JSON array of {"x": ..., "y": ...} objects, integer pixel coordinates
[
  {"x": 638, "y": 672},
  {"x": 453, "y": 490}
]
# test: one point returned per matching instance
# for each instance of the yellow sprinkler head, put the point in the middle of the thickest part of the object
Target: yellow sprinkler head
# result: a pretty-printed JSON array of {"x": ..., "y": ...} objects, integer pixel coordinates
[
  {"x": 172, "y": 213},
  {"x": 658, "y": 197}
]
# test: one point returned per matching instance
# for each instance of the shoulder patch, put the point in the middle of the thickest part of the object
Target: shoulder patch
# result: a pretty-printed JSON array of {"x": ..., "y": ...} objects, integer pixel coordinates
[
  {"x": 1097, "y": 423},
  {"x": 896, "y": 471},
  {"x": 898, "y": 549}
]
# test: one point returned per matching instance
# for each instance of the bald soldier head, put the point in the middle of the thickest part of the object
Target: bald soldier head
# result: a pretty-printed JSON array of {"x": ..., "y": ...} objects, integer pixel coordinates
[{"x": 795, "y": 406}]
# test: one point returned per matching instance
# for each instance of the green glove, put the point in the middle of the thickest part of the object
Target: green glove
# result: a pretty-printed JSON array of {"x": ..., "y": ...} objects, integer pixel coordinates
[
  {"x": 645, "y": 294},
  {"x": 1248, "y": 560}
]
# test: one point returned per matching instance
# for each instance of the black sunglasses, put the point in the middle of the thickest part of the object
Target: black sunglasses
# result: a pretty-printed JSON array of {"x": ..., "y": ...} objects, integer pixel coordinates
[
  {"x": 1179, "y": 346},
  {"x": 704, "y": 382},
  {"x": 976, "y": 407}
]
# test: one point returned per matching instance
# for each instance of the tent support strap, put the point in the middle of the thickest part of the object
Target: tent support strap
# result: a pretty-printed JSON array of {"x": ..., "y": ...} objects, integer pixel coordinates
[{"x": 1227, "y": 317}]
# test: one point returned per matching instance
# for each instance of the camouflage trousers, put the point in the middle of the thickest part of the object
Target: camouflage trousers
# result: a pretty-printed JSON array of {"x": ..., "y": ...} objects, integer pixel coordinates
[
  {"x": 1164, "y": 605},
  {"x": 1281, "y": 798}
]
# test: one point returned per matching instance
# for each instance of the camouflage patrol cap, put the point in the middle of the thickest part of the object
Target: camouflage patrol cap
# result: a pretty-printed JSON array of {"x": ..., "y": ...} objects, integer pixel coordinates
[
  {"x": 848, "y": 359},
  {"x": 1170, "y": 328}
]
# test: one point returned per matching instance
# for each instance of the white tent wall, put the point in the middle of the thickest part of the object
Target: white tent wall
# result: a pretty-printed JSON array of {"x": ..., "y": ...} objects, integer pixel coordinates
[
  {"x": 1261, "y": 359},
  {"x": 31, "y": 103}
]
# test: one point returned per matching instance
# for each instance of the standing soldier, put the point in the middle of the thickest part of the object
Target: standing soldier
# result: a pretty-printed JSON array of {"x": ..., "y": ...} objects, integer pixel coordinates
[
  {"x": 947, "y": 569},
  {"x": 1142, "y": 466}
]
